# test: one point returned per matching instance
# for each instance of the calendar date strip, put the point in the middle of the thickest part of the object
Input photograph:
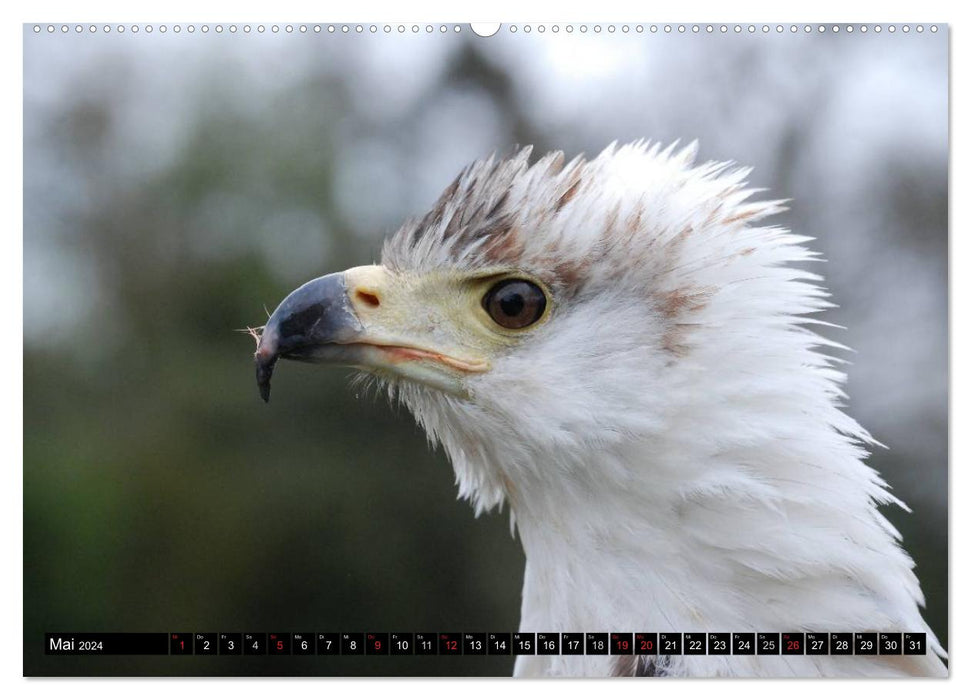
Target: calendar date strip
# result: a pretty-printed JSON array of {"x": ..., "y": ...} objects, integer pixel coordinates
[{"x": 483, "y": 643}]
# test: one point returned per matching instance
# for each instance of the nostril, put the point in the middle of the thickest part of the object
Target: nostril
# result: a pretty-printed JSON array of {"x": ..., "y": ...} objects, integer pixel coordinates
[{"x": 368, "y": 298}]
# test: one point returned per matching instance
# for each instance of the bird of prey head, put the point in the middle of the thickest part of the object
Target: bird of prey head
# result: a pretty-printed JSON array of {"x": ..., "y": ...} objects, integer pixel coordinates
[{"x": 615, "y": 349}]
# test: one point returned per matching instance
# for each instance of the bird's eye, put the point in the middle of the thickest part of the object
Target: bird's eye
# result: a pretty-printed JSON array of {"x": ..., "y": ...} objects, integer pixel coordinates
[{"x": 515, "y": 303}]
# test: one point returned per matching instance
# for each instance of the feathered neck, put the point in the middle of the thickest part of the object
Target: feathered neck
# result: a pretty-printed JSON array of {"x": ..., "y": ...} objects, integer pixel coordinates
[{"x": 758, "y": 518}]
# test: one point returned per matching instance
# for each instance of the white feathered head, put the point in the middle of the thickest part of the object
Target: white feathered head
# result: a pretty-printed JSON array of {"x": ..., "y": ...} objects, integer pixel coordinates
[{"x": 618, "y": 350}]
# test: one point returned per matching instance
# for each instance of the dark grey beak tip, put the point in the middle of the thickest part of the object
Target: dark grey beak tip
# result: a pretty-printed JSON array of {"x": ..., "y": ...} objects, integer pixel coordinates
[{"x": 264, "y": 371}]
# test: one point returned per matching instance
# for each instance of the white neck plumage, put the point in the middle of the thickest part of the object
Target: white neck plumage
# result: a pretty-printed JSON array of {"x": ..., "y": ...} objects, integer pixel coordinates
[{"x": 772, "y": 537}]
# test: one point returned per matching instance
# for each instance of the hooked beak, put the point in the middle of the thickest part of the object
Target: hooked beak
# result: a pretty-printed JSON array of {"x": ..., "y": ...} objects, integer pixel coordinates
[
  {"x": 310, "y": 325},
  {"x": 342, "y": 319}
]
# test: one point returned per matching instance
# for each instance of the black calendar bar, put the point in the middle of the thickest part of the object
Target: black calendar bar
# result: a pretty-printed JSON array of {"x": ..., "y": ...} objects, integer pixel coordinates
[
  {"x": 279, "y": 643},
  {"x": 500, "y": 643},
  {"x": 793, "y": 643},
  {"x": 205, "y": 643},
  {"x": 304, "y": 644},
  {"x": 482, "y": 643},
  {"x": 817, "y": 644},
  {"x": 402, "y": 643},
  {"x": 548, "y": 643},
  {"x": 104, "y": 643},
  {"x": 571, "y": 643},
  {"x": 474, "y": 644}
]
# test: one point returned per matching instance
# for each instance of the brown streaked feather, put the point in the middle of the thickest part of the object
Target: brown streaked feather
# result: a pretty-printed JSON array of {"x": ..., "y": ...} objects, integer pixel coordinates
[
  {"x": 678, "y": 301},
  {"x": 567, "y": 196},
  {"x": 556, "y": 163},
  {"x": 505, "y": 249},
  {"x": 742, "y": 215}
]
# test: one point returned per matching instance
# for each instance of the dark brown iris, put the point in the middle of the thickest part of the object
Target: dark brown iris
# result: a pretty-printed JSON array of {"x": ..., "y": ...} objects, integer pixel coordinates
[{"x": 515, "y": 303}]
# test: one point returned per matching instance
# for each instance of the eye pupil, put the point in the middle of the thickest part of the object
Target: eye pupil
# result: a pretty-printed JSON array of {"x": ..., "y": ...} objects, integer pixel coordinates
[
  {"x": 515, "y": 303},
  {"x": 512, "y": 305}
]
